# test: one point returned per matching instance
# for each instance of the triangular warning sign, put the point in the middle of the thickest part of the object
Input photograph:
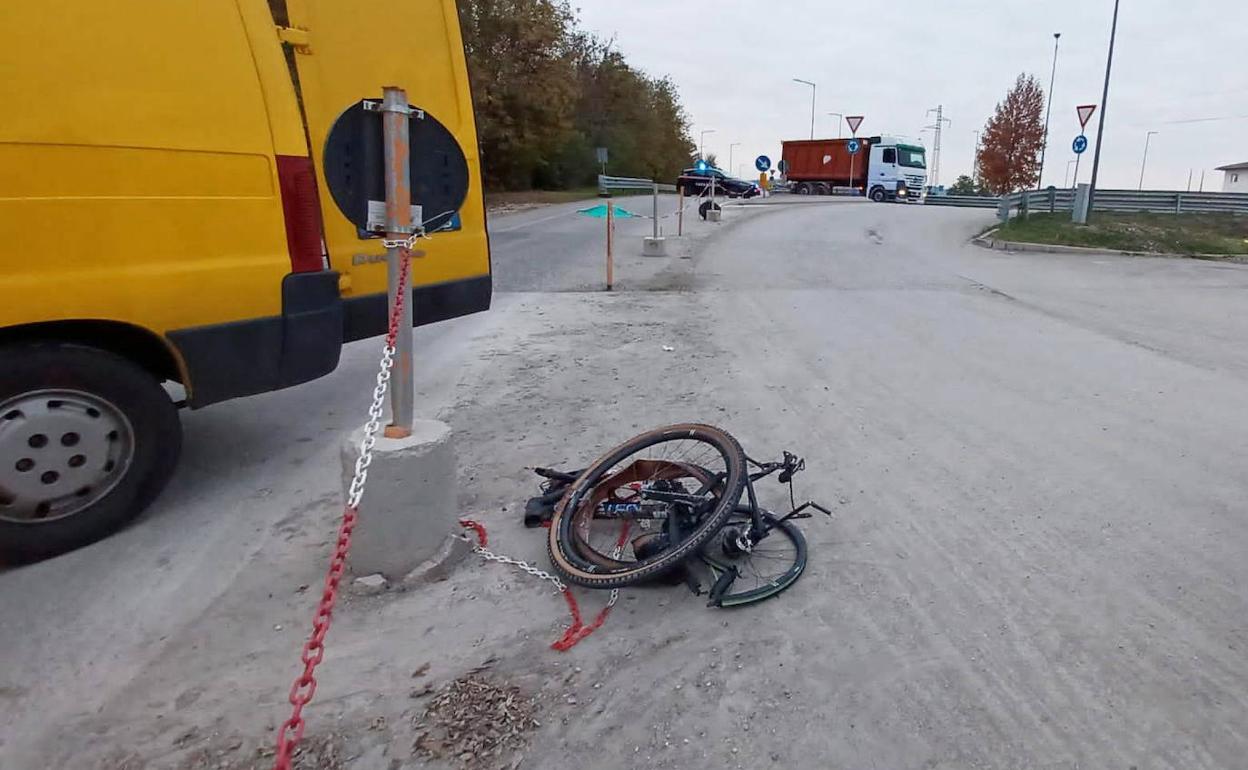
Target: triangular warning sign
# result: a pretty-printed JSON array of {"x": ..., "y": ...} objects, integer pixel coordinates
[
  {"x": 853, "y": 121},
  {"x": 1085, "y": 111}
]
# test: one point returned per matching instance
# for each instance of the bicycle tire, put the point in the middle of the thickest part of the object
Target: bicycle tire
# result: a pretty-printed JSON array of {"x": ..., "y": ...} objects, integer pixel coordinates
[
  {"x": 777, "y": 584},
  {"x": 561, "y": 546}
]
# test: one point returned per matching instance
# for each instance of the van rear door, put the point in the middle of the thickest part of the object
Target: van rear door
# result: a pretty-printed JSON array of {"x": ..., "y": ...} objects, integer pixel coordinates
[{"x": 349, "y": 53}]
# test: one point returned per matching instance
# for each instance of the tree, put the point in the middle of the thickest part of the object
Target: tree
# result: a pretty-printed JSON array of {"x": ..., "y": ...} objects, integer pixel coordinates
[
  {"x": 712, "y": 160},
  {"x": 964, "y": 186},
  {"x": 1009, "y": 157},
  {"x": 967, "y": 186},
  {"x": 545, "y": 94}
]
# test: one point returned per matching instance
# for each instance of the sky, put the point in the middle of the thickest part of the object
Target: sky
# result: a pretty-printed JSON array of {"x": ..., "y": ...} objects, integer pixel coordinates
[{"x": 1176, "y": 62}]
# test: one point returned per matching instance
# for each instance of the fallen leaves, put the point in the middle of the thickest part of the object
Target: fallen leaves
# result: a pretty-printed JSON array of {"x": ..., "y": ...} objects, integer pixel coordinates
[{"x": 475, "y": 720}]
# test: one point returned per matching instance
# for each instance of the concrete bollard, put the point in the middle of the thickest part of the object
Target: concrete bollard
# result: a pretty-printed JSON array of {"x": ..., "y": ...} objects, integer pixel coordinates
[
  {"x": 408, "y": 510},
  {"x": 714, "y": 215},
  {"x": 654, "y": 247}
]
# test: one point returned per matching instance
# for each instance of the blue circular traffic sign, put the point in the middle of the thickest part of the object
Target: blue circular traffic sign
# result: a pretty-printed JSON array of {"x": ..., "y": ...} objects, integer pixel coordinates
[
  {"x": 1080, "y": 144},
  {"x": 762, "y": 163},
  {"x": 852, "y": 145}
]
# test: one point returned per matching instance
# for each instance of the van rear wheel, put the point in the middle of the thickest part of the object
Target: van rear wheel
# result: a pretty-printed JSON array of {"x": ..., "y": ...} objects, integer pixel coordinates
[{"x": 87, "y": 440}]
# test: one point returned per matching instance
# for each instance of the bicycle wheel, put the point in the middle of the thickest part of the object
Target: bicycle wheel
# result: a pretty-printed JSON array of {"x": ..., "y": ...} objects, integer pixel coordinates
[
  {"x": 646, "y": 505},
  {"x": 770, "y": 566}
]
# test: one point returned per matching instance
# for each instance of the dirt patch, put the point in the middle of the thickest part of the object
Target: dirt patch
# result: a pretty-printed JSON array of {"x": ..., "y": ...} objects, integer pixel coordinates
[{"x": 477, "y": 721}]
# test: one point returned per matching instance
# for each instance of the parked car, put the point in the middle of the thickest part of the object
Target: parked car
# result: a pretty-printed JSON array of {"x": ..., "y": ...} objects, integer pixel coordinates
[{"x": 693, "y": 181}]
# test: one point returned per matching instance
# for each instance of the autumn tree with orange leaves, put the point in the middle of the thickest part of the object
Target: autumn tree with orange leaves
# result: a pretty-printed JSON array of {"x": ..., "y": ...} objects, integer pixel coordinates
[{"x": 1009, "y": 156}]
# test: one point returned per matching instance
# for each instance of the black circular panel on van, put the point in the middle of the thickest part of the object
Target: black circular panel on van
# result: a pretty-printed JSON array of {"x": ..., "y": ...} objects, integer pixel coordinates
[{"x": 354, "y": 165}]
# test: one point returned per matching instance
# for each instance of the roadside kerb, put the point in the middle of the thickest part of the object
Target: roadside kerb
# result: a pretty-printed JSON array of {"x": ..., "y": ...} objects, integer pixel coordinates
[{"x": 987, "y": 241}]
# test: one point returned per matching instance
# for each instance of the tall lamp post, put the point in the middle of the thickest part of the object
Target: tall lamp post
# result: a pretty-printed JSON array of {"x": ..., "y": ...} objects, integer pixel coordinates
[
  {"x": 702, "y": 143},
  {"x": 1100, "y": 126},
  {"x": 812, "y": 104},
  {"x": 975, "y": 159},
  {"x": 839, "y": 118},
  {"x": 734, "y": 144},
  {"x": 1047, "y": 110},
  {"x": 1144, "y": 162}
]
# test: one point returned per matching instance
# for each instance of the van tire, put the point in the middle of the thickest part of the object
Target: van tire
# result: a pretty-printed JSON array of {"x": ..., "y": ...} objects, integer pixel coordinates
[
  {"x": 878, "y": 195},
  {"x": 131, "y": 401}
]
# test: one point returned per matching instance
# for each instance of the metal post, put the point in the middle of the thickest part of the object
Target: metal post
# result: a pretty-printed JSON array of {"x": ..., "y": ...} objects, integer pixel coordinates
[
  {"x": 1100, "y": 126},
  {"x": 680, "y": 212},
  {"x": 395, "y": 119},
  {"x": 1144, "y": 162},
  {"x": 1202, "y": 181},
  {"x": 852, "y": 157},
  {"x": 1048, "y": 109},
  {"x": 1075, "y": 182},
  {"x": 610, "y": 244},
  {"x": 656, "y": 209},
  {"x": 1189, "y": 180}
]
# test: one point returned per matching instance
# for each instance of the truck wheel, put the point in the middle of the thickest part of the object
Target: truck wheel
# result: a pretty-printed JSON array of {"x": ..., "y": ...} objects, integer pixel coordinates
[
  {"x": 802, "y": 188},
  {"x": 822, "y": 189},
  {"x": 87, "y": 440},
  {"x": 878, "y": 195}
]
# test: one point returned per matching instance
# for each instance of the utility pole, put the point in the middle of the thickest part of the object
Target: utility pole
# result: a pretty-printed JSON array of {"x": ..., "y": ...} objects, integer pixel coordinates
[
  {"x": 1047, "y": 110},
  {"x": 1202, "y": 181},
  {"x": 1100, "y": 126},
  {"x": 941, "y": 120},
  {"x": 812, "y": 104},
  {"x": 1144, "y": 162},
  {"x": 839, "y": 117},
  {"x": 1189, "y": 180}
]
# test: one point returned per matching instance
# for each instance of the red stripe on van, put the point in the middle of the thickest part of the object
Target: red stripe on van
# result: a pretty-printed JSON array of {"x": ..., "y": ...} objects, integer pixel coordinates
[{"x": 301, "y": 207}]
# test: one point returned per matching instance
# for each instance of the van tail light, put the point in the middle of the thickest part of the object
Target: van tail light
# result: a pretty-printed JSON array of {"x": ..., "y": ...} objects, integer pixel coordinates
[{"x": 301, "y": 207}]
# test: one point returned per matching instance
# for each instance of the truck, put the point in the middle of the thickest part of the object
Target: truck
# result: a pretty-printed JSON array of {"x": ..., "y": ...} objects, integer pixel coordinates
[{"x": 885, "y": 168}]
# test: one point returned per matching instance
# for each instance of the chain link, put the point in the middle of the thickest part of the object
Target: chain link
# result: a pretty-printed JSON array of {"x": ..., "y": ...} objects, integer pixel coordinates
[{"x": 304, "y": 687}]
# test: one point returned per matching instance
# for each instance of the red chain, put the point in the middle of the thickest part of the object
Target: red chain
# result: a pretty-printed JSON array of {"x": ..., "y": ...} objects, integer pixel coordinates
[
  {"x": 301, "y": 692},
  {"x": 578, "y": 630}
]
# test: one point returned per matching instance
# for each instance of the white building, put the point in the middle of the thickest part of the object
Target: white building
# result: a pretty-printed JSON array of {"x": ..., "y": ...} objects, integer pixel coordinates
[{"x": 1234, "y": 177}]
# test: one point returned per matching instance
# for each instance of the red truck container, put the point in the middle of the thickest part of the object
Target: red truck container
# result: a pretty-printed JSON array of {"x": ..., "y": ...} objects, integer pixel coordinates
[{"x": 884, "y": 168}]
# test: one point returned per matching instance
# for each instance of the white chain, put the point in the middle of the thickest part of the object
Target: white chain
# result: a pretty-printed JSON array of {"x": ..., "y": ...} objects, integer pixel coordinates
[
  {"x": 373, "y": 425},
  {"x": 404, "y": 243},
  {"x": 489, "y": 555}
]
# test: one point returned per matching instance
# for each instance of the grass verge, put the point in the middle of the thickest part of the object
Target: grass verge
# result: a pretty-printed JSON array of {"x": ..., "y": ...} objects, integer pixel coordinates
[{"x": 1221, "y": 234}]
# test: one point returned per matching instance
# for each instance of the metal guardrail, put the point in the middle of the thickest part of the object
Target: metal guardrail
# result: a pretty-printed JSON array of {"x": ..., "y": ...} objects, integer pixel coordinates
[
  {"x": 1054, "y": 200},
  {"x": 631, "y": 183},
  {"x": 1149, "y": 201},
  {"x": 966, "y": 201}
]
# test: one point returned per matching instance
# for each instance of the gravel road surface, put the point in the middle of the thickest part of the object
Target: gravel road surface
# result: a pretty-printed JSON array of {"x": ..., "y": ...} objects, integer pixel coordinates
[{"x": 1037, "y": 559}]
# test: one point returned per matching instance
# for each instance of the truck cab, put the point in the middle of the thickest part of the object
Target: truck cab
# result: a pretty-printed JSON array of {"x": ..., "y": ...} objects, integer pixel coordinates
[{"x": 897, "y": 170}]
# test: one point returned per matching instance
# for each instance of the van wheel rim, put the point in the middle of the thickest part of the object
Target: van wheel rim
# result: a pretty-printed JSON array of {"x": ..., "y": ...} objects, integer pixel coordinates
[{"x": 60, "y": 452}]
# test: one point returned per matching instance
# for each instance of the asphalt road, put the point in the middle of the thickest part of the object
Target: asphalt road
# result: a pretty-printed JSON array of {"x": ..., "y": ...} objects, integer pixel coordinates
[{"x": 1037, "y": 559}]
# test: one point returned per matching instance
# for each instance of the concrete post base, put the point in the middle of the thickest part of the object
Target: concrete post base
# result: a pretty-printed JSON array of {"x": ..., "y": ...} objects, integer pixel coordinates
[
  {"x": 654, "y": 247},
  {"x": 408, "y": 509},
  {"x": 714, "y": 215}
]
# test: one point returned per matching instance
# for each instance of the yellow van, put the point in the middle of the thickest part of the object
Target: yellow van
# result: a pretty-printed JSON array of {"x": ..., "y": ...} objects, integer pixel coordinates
[{"x": 163, "y": 217}]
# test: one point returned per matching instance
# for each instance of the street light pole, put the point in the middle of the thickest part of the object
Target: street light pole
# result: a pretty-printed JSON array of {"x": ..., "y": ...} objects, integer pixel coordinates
[
  {"x": 839, "y": 118},
  {"x": 702, "y": 143},
  {"x": 734, "y": 144},
  {"x": 975, "y": 159},
  {"x": 812, "y": 104},
  {"x": 1047, "y": 110},
  {"x": 1100, "y": 126},
  {"x": 1144, "y": 162},
  {"x": 1066, "y": 180}
]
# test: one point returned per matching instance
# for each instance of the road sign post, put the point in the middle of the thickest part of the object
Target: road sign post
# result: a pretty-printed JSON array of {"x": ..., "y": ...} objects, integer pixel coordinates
[
  {"x": 610, "y": 244},
  {"x": 853, "y": 121},
  {"x": 399, "y": 226},
  {"x": 1084, "y": 112}
]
